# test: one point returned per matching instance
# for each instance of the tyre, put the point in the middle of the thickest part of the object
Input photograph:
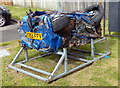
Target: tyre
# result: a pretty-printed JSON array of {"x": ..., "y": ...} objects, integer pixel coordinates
[
  {"x": 2, "y": 21},
  {"x": 60, "y": 22}
]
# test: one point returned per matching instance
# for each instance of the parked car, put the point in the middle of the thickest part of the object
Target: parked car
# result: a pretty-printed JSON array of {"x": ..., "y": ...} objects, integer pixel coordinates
[{"x": 5, "y": 16}]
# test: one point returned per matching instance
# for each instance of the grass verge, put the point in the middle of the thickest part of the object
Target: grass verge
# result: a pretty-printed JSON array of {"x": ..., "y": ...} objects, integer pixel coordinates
[
  {"x": 101, "y": 73},
  {"x": 19, "y": 12}
]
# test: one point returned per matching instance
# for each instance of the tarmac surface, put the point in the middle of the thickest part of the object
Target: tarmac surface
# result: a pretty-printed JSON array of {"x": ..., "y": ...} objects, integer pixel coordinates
[{"x": 9, "y": 32}]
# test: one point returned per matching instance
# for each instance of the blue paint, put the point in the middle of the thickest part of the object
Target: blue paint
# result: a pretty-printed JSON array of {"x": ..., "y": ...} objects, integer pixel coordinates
[{"x": 106, "y": 57}]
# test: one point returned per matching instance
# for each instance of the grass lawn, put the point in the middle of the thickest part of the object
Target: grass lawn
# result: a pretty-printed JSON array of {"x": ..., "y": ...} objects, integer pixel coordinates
[
  {"x": 101, "y": 73},
  {"x": 19, "y": 12}
]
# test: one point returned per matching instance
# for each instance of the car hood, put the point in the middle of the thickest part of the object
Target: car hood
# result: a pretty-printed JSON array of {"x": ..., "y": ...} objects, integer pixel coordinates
[{"x": 3, "y": 8}]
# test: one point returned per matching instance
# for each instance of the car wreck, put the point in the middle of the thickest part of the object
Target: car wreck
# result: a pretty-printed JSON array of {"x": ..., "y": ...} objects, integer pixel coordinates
[{"x": 54, "y": 32}]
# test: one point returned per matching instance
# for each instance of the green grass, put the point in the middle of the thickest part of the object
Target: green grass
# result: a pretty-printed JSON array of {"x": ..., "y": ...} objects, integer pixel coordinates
[
  {"x": 100, "y": 73},
  {"x": 19, "y": 12},
  {"x": 5, "y": 43}
]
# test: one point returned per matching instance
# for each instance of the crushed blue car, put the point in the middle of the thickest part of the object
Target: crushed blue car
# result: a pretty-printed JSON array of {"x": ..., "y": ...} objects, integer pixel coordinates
[{"x": 48, "y": 31}]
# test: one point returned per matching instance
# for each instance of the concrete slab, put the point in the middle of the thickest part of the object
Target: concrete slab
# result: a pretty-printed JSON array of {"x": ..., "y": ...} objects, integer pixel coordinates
[{"x": 4, "y": 52}]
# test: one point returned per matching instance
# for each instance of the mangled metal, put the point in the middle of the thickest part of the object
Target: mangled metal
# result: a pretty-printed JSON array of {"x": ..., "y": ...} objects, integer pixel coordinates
[{"x": 55, "y": 32}]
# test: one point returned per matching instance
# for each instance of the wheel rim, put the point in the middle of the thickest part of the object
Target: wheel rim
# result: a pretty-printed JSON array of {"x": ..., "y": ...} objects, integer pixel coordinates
[{"x": 2, "y": 21}]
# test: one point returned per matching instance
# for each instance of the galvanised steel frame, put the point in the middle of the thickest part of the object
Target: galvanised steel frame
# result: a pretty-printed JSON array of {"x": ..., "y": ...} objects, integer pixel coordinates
[{"x": 64, "y": 58}]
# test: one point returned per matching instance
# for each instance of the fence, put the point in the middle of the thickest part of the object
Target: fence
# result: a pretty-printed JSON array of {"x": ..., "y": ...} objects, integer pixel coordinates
[
  {"x": 6, "y": 2},
  {"x": 61, "y": 5},
  {"x": 54, "y": 4}
]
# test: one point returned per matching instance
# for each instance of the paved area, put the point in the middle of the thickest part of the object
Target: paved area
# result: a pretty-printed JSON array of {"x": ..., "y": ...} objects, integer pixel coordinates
[
  {"x": 9, "y": 32},
  {"x": 4, "y": 52}
]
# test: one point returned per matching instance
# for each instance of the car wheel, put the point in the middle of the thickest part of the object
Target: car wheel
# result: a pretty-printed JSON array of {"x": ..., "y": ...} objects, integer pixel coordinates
[{"x": 2, "y": 21}]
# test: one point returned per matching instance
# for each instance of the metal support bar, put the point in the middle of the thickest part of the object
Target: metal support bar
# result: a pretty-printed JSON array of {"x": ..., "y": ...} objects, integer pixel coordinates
[
  {"x": 85, "y": 51},
  {"x": 104, "y": 23},
  {"x": 92, "y": 49},
  {"x": 73, "y": 70},
  {"x": 108, "y": 53},
  {"x": 59, "y": 53},
  {"x": 59, "y": 63},
  {"x": 69, "y": 53},
  {"x": 107, "y": 45},
  {"x": 34, "y": 69},
  {"x": 17, "y": 55},
  {"x": 65, "y": 61},
  {"x": 36, "y": 57},
  {"x": 29, "y": 73},
  {"x": 104, "y": 38},
  {"x": 63, "y": 58},
  {"x": 77, "y": 58}
]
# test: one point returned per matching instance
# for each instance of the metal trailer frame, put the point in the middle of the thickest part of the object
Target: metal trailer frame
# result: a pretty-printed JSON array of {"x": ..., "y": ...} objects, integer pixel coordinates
[{"x": 63, "y": 58}]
